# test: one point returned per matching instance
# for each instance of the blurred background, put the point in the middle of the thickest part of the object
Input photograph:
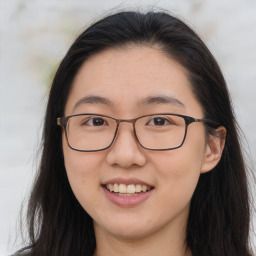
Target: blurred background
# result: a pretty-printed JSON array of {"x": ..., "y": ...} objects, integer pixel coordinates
[{"x": 35, "y": 35}]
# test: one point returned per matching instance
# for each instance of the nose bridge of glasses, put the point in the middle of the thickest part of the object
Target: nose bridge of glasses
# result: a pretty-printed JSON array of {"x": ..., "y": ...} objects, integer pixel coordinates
[{"x": 130, "y": 121}]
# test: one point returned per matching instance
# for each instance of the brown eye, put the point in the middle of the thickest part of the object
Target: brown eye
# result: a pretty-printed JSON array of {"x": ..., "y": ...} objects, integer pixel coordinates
[
  {"x": 95, "y": 121},
  {"x": 159, "y": 121}
]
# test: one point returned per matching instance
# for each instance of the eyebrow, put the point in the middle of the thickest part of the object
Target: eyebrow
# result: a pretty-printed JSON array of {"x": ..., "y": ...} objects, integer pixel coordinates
[
  {"x": 151, "y": 100},
  {"x": 91, "y": 99},
  {"x": 161, "y": 99}
]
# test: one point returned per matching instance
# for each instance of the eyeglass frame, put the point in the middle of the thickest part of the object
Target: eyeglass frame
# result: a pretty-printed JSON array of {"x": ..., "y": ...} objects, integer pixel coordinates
[{"x": 62, "y": 121}]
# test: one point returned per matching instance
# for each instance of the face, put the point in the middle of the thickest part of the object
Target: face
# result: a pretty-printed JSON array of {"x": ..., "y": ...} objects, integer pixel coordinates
[{"x": 126, "y": 77}]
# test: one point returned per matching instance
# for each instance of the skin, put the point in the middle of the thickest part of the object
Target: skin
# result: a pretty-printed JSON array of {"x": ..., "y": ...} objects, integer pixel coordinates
[{"x": 157, "y": 226}]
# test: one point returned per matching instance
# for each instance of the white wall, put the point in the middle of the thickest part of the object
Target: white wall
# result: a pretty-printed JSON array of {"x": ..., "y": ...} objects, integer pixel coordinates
[{"x": 34, "y": 36}]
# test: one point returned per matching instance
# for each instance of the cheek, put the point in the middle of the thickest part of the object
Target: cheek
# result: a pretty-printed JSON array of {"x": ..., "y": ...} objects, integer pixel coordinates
[
  {"x": 79, "y": 164},
  {"x": 82, "y": 173},
  {"x": 180, "y": 163},
  {"x": 179, "y": 170}
]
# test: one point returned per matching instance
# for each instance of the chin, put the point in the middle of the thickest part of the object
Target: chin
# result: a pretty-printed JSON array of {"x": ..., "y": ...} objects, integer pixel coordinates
[
  {"x": 129, "y": 228},
  {"x": 131, "y": 233}
]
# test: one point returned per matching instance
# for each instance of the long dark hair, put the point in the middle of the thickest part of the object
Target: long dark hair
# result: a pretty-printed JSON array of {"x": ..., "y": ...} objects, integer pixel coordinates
[{"x": 218, "y": 223}]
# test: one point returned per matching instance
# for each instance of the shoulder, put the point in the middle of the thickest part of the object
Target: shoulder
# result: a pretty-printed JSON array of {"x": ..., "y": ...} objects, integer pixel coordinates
[{"x": 22, "y": 252}]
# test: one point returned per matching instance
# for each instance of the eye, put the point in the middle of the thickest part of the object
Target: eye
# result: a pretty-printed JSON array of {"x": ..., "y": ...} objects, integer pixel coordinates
[
  {"x": 159, "y": 121},
  {"x": 95, "y": 121}
]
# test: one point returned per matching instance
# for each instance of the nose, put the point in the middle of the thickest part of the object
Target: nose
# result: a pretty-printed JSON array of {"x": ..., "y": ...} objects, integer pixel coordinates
[{"x": 126, "y": 151}]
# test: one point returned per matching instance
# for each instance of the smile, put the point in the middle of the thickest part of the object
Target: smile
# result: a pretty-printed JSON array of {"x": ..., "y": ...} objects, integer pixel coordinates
[{"x": 127, "y": 190}]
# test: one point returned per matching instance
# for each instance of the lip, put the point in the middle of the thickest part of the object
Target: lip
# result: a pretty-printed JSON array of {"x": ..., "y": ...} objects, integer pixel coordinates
[{"x": 127, "y": 201}]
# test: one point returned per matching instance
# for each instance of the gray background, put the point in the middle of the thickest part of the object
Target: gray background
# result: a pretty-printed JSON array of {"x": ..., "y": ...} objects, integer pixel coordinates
[{"x": 34, "y": 36}]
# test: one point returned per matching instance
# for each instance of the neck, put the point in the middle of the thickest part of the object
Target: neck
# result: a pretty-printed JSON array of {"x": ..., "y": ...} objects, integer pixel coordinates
[{"x": 164, "y": 243}]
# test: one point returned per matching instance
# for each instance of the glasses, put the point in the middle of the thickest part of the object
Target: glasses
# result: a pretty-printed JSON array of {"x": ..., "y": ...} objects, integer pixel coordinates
[{"x": 93, "y": 132}]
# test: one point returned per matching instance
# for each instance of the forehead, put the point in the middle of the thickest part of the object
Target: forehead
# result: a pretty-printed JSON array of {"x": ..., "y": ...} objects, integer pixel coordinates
[
  {"x": 127, "y": 75},
  {"x": 129, "y": 64}
]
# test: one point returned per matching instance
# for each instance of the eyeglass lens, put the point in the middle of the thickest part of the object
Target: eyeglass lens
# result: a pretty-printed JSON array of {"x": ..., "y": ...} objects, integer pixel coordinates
[{"x": 92, "y": 132}]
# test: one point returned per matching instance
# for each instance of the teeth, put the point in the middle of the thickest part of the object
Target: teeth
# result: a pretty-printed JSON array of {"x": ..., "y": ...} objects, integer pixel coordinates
[
  {"x": 138, "y": 188},
  {"x": 116, "y": 188},
  {"x": 130, "y": 189},
  {"x": 127, "y": 189},
  {"x": 144, "y": 188},
  {"x": 122, "y": 189},
  {"x": 110, "y": 187}
]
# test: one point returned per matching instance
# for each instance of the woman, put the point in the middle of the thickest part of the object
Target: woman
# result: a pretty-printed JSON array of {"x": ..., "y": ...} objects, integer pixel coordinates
[{"x": 140, "y": 148}]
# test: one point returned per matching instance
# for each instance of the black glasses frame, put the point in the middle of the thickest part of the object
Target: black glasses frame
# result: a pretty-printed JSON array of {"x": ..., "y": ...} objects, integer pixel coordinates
[{"x": 62, "y": 121}]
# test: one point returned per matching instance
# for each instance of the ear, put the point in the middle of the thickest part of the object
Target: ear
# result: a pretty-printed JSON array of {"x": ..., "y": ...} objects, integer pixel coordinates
[{"x": 213, "y": 150}]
